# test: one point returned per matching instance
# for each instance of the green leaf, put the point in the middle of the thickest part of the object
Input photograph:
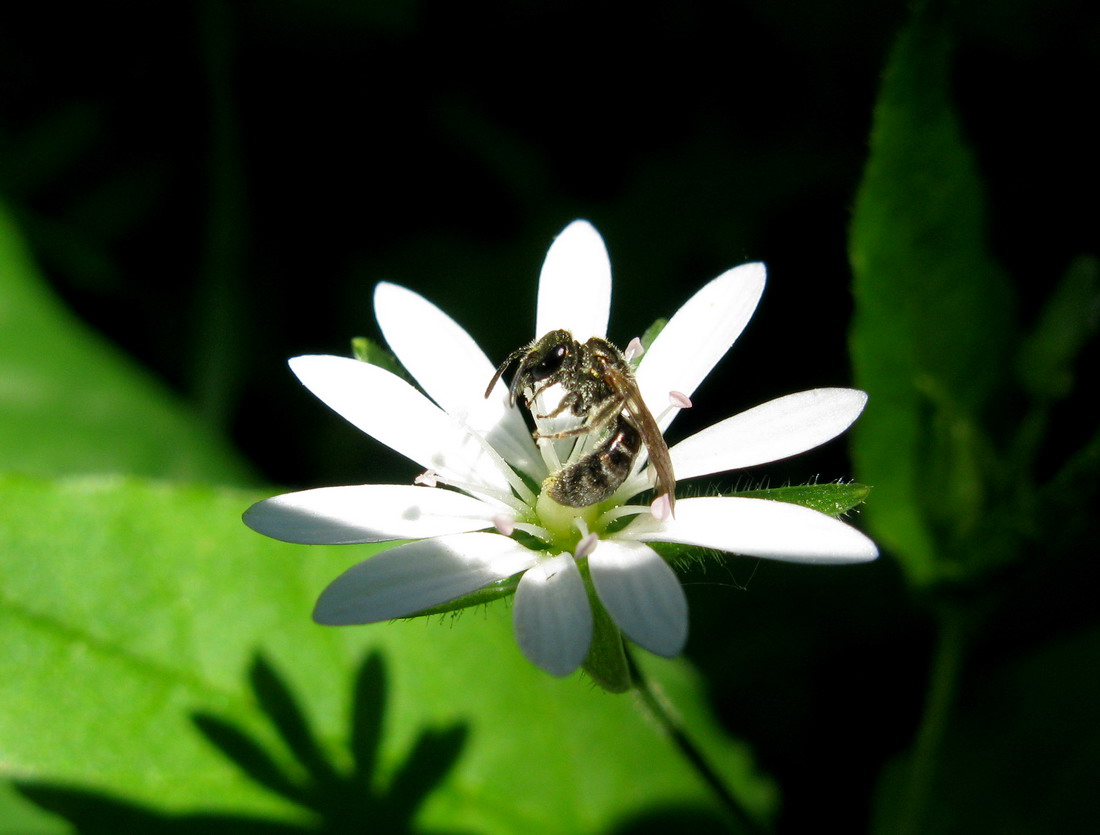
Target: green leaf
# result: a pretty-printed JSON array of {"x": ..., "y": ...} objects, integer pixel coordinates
[
  {"x": 933, "y": 311},
  {"x": 70, "y": 402},
  {"x": 1022, "y": 753},
  {"x": 367, "y": 350},
  {"x": 1069, "y": 318},
  {"x": 161, "y": 668}
]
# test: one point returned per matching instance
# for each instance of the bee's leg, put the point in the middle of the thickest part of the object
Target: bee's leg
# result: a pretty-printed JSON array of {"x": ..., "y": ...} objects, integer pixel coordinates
[
  {"x": 567, "y": 402},
  {"x": 592, "y": 423},
  {"x": 583, "y": 429},
  {"x": 607, "y": 411}
]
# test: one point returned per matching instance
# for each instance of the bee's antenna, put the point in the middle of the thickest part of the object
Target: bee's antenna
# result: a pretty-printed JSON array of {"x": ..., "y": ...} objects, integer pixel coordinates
[{"x": 512, "y": 357}]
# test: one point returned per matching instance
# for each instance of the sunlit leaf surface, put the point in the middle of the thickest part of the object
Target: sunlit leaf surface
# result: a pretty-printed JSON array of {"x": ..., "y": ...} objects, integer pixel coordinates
[
  {"x": 134, "y": 609},
  {"x": 159, "y": 670}
]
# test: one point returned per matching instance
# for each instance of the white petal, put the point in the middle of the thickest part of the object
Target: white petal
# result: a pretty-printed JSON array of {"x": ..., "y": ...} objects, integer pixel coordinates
[
  {"x": 756, "y": 528},
  {"x": 552, "y": 617},
  {"x": 392, "y": 411},
  {"x": 417, "y": 576},
  {"x": 777, "y": 429},
  {"x": 575, "y": 284},
  {"x": 453, "y": 370},
  {"x": 698, "y": 336},
  {"x": 367, "y": 513},
  {"x": 642, "y": 595}
]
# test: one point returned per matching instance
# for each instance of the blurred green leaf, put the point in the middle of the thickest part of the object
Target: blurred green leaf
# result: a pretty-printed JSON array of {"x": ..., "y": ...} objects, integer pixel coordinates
[
  {"x": 1023, "y": 751},
  {"x": 50, "y": 147},
  {"x": 72, "y": 403},
  {"x": 1070, "y": 317},
  {"x": 131, "y": 609},
  {"x": 933, "y": 311}
]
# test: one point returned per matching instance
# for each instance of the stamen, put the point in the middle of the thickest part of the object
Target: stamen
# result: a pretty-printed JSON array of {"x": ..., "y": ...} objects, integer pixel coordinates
[
  {"x": 661, "y": 508},
  {"x": 428, "y": 478},
  {"x": 634, "y": 349},
  {"x": 586, "y": 546},
  {"x": 637, "y": 482},
  {"x": 583, "y": 445},
  {"x": 432, "y": 478},
  {"x": 679, "y": 399},
  {"x": 514, "y": 481},
  {"x": 482, "y": 491},
  {"x": 613, "y": 513},
  {"x": 549, "y": 451},
  {"x": 676, "y": 400},
  {"x": 505, "y": 525},
  {"x": 536, "y": 531},
  {"x": 555, "y": 450}
]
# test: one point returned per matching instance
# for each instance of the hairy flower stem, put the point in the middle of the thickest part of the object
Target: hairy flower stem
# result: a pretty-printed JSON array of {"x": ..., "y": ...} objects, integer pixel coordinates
[
  {"x": 659, "y": 708},
  {"x": 943, "y": 683}
]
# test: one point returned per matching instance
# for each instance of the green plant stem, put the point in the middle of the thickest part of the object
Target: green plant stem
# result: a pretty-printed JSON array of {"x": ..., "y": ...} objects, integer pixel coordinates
[
  {"x": 662, "y": 711},
  {"x": 939, "y": 702}
]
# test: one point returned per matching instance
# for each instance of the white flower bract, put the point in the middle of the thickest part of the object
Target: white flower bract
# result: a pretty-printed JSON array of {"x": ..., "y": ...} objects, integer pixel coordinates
[{"x": 470, "y": 527}]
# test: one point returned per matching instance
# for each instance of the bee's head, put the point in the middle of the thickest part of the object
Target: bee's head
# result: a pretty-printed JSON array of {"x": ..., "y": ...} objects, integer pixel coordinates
[
  {"x": 538, "y": 362},
  {"x": 549, "y": 355},
  {"x": 546, "y": 358}
]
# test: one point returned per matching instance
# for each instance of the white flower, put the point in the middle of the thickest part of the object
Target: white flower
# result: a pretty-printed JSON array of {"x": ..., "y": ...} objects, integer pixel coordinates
[{"x": 473, "y": 512}]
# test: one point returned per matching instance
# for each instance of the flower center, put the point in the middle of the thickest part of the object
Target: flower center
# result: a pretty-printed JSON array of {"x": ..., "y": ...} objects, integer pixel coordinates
[{"x": 566, "y": 525}]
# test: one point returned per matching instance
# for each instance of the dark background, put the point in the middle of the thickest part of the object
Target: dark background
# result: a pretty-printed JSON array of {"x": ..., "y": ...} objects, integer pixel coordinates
[{"x": 218, "y": 186}]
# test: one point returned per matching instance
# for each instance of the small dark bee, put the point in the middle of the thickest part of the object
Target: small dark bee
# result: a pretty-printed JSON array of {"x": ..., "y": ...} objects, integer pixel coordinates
[{"x": 599, "y": 388}]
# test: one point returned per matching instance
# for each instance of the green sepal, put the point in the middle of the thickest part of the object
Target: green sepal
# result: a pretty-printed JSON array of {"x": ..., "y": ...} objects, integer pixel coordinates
[
  {"x": 606, "y": 661},
  {"x": 367, "y": 350},
  {"x": 485, "y": 594},
  {"x": 834, "y": 499},
  {"x": 682, "y": 557},
  {"x": 652, "y": 331},
  {"x": 488, "y": 593}
]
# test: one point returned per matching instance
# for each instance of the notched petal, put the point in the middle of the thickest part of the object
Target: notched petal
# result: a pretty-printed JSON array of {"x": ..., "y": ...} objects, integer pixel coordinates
[
  {"x": 642, "y": 594},
  {"x": 448, "y": 364},
  {"x": 771, "y": 431},
  {"x": 698, "y": 336},
  {"x": 410, "y": 578},
  {"x": 552, "y": 618},
  {"x": 757, "y": 528},
  {"x": 366, "y": 513},
  {"x": 575, "y": 284},
  {"x": 392, "y": 411}
]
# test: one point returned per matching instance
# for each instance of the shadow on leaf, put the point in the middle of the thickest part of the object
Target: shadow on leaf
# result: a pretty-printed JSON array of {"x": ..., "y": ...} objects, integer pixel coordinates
[{"x": 333, "y": 800}]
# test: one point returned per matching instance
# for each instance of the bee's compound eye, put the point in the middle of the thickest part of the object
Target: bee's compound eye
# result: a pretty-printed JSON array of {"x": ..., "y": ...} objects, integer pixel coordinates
[{"x": 550, "y": 363}]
